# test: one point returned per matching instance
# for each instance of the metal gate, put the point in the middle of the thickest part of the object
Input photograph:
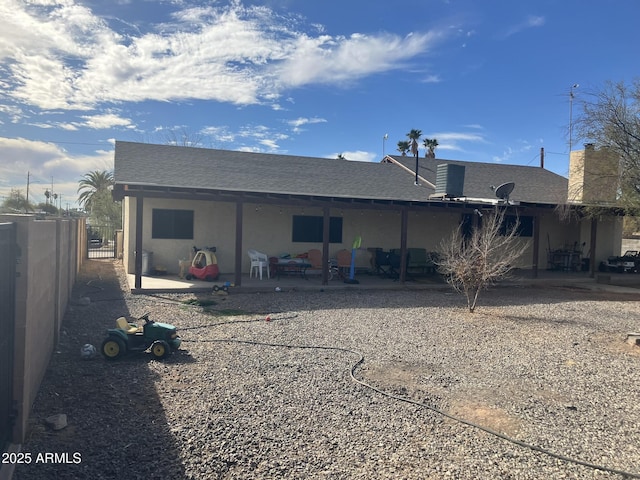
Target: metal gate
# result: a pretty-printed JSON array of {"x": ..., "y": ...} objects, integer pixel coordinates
[
  {"x": 8, "y": 257},
  {"x": 101, "y": 241}
]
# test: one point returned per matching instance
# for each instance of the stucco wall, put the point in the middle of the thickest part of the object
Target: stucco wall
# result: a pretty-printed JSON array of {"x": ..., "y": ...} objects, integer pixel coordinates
[
  {"x": 46, "y": 269},
  {"x": 267, "y": 228}
]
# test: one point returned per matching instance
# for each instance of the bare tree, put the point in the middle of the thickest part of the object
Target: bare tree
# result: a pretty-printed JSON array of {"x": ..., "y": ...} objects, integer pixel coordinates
[
  {"x": 477, "y": 261},
  {"x": 611, "y": 118},
  {"x": 182, "y": 138}
]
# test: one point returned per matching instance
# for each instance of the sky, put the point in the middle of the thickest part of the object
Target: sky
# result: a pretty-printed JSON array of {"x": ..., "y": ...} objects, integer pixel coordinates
[{"x": 489, "y": 79}]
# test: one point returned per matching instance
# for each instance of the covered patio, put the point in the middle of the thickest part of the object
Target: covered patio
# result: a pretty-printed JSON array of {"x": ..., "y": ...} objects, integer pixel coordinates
[
  {"x": 175, "y": 197},
  {"x": 368, "y": 281}
]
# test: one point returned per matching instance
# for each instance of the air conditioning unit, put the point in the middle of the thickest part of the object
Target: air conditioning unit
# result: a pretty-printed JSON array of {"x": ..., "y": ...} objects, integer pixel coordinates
[{"x": 449, "y": 180}]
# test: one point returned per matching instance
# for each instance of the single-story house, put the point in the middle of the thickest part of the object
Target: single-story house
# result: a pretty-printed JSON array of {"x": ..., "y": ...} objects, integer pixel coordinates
[{"x": 177, "y": 197}]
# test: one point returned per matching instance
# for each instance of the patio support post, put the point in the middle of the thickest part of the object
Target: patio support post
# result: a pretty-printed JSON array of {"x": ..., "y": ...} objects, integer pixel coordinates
[
  {"x": 404, "y": 216},
  {"x": 536, "y": 244},
  {"x": 138, "y": 250},
  {"x": 592, "y": 257},
  {"x": 238, "y": 258},
  {"x": 326, "y": 225}
]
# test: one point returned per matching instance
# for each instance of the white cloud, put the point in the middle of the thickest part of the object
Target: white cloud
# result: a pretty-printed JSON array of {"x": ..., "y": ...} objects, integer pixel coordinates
[
  {"x": 46, "y": 163},
  {"x": 510, "y": 153},
  {"x": 60, "y": 55},
  {"x": 93, "y": 122},
  {"x": 357, "y": 156},
  {"x": 336, "y": 60},
  {"x": 453, "y": 141},
  {"x": 245, "y": 138},
  {"x": 432, "y": 79},
  {"x": 107, "y": 120},
  {"x": 301, "y": 121},
  {"x": 532, "y": 21}
]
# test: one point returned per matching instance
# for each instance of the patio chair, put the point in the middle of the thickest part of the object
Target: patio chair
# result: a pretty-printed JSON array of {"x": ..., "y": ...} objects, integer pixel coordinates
[
  {"x": 383, "y": 265},
  {"x": 259, "y": 261},
  {"x": 344, "y": 262},
  {"x": 314, "y": 256}
]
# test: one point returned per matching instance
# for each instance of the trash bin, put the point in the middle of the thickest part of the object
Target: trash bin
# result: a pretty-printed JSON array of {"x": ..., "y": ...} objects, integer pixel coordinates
[{"x": 147, "y": 261}]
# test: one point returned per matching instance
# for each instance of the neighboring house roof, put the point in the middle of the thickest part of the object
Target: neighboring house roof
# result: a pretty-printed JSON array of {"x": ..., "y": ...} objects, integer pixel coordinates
[
  {"x": 532, "y": 184},
  {"x": 166, "y": 166}
]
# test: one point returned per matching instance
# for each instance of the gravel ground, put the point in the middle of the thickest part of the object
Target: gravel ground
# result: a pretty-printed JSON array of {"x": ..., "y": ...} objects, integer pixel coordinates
[{"x": 248, "y": 398}]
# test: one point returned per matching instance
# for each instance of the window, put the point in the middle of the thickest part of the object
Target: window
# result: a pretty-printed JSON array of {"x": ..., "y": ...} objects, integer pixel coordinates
[
  {"x": 525, "y": 225},
  {"x": 176, "y": 224},
  {"x": 309, "y": 229}
]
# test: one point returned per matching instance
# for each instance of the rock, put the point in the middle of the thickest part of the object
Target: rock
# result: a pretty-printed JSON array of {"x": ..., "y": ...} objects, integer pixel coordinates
[
  {"x": 82, "y": 301},
  {"x": 56, "y": 422}
]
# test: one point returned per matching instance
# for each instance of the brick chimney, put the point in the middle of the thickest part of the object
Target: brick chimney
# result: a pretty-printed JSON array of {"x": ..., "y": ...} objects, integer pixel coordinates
[{"x": 593, "y": 175}]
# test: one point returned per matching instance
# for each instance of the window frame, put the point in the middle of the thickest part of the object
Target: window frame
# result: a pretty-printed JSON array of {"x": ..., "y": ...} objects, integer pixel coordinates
[{"x": 167, "y": 223}]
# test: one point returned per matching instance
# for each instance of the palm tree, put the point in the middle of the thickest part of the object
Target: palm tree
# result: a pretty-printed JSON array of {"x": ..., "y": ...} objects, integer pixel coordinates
[
  {"x": 414, "y": 135},
  {"x": 403, "y": 147},
  {"x": 92, "y": 184},
  {"x": 430, "y": 145}
]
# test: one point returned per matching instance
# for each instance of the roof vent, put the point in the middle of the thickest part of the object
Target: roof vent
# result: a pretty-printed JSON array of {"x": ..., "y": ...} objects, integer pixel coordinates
[{"x": 450, "y": 180}]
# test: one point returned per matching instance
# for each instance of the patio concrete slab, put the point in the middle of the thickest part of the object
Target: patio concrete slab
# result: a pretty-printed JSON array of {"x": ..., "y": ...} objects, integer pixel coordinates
[{"x": 621, "y": 283}]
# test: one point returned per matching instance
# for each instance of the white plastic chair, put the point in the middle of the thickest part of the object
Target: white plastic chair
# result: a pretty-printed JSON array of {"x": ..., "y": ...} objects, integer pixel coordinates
[{"x": 259, "y": 261}]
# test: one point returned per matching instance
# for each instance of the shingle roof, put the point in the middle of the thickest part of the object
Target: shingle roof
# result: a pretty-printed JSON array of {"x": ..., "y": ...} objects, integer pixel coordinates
[
  {"x": 532, "y": 184},
  {"x": 209, "y": 169}
]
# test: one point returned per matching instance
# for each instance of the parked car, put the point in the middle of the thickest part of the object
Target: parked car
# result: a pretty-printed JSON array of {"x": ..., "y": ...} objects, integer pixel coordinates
[
  {"x": 95, "y": 242},
  {"x": 629, "y": 262}
]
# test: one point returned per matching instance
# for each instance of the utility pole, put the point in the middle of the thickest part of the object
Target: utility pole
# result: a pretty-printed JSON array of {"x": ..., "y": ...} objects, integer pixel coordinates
[{"x": 28, "y": 174}]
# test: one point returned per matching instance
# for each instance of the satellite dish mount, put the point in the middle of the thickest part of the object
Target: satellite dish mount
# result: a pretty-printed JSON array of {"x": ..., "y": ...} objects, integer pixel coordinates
[{"x": 503, "y": 191}]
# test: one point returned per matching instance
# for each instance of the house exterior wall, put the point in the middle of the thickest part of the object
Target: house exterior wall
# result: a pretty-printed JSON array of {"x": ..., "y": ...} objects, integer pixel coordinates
[
  {"x": 608, "y": 237},
  {"x": 268, "y": 229}
]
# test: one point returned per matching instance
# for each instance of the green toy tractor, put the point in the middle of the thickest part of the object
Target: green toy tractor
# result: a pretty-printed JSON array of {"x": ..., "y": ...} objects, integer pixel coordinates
[{"x": 161, "y": 338}]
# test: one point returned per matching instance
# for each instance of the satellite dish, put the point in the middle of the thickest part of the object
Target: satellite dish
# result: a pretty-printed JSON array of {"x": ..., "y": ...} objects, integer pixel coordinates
[{"x": 503, "y": 191}]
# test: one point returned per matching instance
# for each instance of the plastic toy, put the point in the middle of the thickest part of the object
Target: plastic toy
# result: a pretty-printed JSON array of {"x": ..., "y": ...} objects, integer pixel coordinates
[
  {"x": 129, "y": 337},
  {"x": 204, "y": 265}
]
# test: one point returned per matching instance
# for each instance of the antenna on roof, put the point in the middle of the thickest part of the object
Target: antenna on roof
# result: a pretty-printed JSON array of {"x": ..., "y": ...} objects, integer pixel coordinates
[{"x": 503, "y": 191}]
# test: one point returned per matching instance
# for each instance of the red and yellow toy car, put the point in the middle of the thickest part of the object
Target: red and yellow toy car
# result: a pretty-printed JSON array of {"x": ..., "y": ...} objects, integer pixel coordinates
[{"x": 204, "y": 265}]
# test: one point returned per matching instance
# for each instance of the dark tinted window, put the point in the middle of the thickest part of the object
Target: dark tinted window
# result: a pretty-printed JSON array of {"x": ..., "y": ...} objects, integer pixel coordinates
[
  {"x": 309, "y": 229},
  {"x": 172, "y": 224}
]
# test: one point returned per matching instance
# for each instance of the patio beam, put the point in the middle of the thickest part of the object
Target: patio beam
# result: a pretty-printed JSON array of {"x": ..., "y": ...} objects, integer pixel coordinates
[
  {"x": 594, "y": 237},
  {"x": 238, "y": 254},
  {"x": 404, "y": 222},
  {"x": 536, "y": 245},
  {"x": 326, "y": 225},
  {"x": 138, "y": 251}
]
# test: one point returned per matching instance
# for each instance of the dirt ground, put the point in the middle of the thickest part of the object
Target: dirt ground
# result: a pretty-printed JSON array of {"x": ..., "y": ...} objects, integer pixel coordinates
[{"x": 121, "y": 421}]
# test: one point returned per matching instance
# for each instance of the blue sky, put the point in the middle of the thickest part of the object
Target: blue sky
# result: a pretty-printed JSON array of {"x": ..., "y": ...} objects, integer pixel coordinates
[{"x": 489, "y": 79}]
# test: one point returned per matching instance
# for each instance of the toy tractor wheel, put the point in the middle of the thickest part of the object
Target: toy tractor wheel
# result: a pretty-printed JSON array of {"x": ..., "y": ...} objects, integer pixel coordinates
[
  {"x": 188, "y": 276},
  {"x": 113, "y": 348},
  {"x": 160, "y": 349}
]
